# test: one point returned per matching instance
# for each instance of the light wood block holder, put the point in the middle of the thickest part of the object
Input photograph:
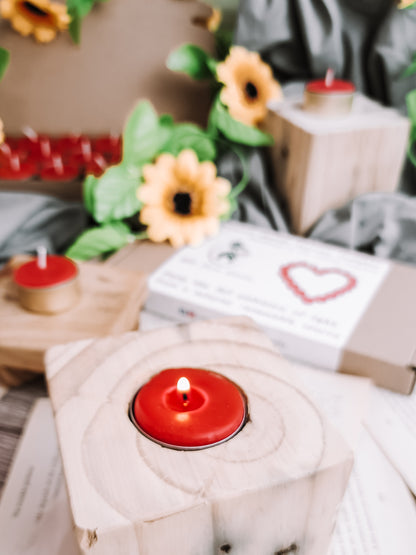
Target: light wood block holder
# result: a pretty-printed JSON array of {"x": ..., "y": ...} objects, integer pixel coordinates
[
  {"x": 322, "y": 163},
  {"x": 109, "y": 304},
  {"x": 274, "y": 488}
]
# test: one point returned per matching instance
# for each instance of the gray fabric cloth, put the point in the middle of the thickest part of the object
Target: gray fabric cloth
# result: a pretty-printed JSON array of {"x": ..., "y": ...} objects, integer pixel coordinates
[
  {"x": 258, "y": 203},
  {"x": 29, "y": 220},
  {"x": 370, "y": 42},
  {"x": 378, "y": 223}
]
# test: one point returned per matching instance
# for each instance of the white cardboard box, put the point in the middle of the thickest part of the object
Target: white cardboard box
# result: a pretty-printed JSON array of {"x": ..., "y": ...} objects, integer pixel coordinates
[{"x": 323, "y": 305}]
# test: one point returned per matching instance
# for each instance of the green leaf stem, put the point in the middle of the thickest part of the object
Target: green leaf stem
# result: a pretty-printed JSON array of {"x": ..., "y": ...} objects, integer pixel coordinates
[
  {"x": 100, "y": 240},
  {"x": 193, "y": 61},
  {"x": 234, "y": 130},
  {"x": 4, "y": 61}
]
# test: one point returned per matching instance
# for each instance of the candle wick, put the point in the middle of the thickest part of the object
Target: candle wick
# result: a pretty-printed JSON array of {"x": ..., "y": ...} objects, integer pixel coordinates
[
  {"x": 30, "y": 133},
  {"x": 329, "y": 77},
  {"x": 41, "y": 259},
  {"x": 15, "y": 162},
  {"x": 185, "y": 397},
  {"x": 6, "y": 150},
  {"x": 58, "y": 164},
  {"x": 45, "y": 148}
]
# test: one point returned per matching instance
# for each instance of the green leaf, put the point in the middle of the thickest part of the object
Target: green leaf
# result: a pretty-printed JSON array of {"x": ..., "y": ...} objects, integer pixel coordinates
[
  {"x": 235, "y": 130},
  {"x": 114, "y": 195},
  {"x": 88, "y": 192},
  {"x": 100, "y": 240},
  {"x": 411, "y": 105},
  {"x": 187, "y": 135},
  {"x": 4, "y": 61},
  {"x": 144, "y": 134},
  {"x": 193, "y": 61},
  {"x": 411, "y": 69},
  {"x": 74, "y": 28},
  {"x": 78, "y": 9}
]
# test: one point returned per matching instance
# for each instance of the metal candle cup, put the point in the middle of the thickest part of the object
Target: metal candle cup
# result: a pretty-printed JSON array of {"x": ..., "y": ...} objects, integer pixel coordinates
[
  {"x": 329, "y": 97},
  {"x": 50, "y": 288},
  {"x": 211, "y": 411}
]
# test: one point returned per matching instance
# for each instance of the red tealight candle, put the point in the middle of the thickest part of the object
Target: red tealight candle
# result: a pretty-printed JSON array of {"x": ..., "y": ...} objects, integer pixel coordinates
[
  {"x": 47, "y": 284},
  {"x": 97, "y": 165},
  {"x": 56, "y": 170},
  {"x": 109, "y": 147},
  {"x": 329, "y": 96},
  {"x": 15, "y": 169},
  {"x": 189, "y": 408}
]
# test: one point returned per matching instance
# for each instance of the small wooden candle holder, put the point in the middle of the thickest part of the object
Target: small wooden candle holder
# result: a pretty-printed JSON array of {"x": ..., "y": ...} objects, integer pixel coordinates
[
  {"x": 321, "y": 162},
  {"x": 109, "y": 302},
  {"x": 274, "y": 487}
]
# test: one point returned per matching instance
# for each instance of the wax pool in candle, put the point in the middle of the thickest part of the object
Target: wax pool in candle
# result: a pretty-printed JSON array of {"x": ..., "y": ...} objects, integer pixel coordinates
[
  {"x": 210, "y": 410},
  {"x": 48, "y": 283},
  {"x": 329, "y": 96}
]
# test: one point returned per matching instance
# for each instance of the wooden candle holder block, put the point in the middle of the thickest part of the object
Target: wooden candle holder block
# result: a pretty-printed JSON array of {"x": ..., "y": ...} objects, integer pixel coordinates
[
  {"x": 273, "y": 488},
  {"x": 109, "y": 304},
  {"x": 322, "y": 163}
]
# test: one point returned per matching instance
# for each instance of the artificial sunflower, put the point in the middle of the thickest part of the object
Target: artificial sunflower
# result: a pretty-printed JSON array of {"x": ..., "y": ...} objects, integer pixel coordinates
[
  {"x": 406, "y": 4},
  {"x": 211, "y": 22},
  {"x": 182, "y": 198},
  {"x": 42, "y": 18},
  {"x": 249, "y": 85}
]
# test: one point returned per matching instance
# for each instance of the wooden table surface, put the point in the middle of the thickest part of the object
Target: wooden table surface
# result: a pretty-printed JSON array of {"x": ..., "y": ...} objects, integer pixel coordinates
[
  {"x": 16, "y": 404},
  {"x": 14, "y": 410}
]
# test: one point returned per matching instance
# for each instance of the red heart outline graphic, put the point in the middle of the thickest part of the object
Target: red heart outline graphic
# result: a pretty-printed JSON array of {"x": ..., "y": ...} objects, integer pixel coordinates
[{"x": 351, "y": 281}]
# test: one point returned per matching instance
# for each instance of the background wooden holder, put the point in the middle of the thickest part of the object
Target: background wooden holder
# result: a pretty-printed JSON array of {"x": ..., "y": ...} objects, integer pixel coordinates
[
  {"x": 322, "y": 163},
  {"x": 110, "y": 303},
  {"x": 273, "y": 488}
]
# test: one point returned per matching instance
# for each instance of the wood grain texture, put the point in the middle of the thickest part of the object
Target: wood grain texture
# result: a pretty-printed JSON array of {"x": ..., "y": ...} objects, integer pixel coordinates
[
  {"x": 276, "y": 484},
  {"x": 322, "y": 164},
  {"x": 109, "y": 304}
]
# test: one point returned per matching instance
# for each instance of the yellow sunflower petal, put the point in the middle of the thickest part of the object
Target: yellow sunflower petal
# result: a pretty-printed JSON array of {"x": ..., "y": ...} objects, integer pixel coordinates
[
  {"x": 42, "y": 18},
  {"x": 6, "y": 8},
  {"x": 44, "y": 34},
  {"x": 22, "y": 25},
  {"x": 187, "y": 165},
  {"x": 207, "y": 172},
  {"x": 183, "y": 200},
  {"x": 406, "y": 4},
  {"x": 222, "y": 186},
  {"x": 248, "y": 85}
]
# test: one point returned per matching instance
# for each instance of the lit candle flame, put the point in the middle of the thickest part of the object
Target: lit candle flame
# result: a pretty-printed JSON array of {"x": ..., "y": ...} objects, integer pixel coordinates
[
  {"x": 41, "y": 260},
  {"x": 329, "y": 77},
  {"x": 183, "y": 385}
]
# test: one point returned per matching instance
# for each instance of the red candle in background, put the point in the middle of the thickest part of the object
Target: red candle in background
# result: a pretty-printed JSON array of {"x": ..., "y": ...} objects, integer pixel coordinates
[
  {"x": 97, "y": 165},
  {"x": 47, "y": 284},
  {"x": 12, "y": 168},
  {"x": 329, "y": 96},
  {"x": 189, "y": 408},
  {"x": 55, "y": 170},
  {"x": 109, "y": 146}
]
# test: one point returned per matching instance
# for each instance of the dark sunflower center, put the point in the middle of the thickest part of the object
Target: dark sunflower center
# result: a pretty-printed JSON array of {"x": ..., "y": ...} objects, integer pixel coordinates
[
  {"x": 183, "y": 203},
  {"x": 251, "y": 91},
  {"x": 34, "y": 10}
]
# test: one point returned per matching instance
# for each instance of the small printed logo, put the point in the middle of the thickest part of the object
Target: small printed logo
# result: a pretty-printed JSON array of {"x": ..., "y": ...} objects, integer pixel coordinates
[
  {"x": 313, "y": 285},
  {"x": 186, "y": 313},
  {"x": 228, "y": 254}
]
